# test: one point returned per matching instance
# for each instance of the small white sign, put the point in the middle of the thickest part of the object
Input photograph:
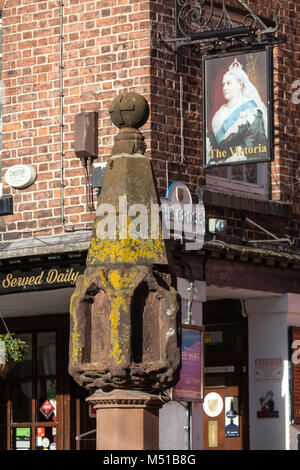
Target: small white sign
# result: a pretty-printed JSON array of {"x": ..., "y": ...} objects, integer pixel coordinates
[
  {"x": 219, "y": 369},
  {"x": 213, "y": 404},
  {"x": 268, "y": 369},
  {"x": 20, "y": 176},
  {"x": 45, "y": 442}
]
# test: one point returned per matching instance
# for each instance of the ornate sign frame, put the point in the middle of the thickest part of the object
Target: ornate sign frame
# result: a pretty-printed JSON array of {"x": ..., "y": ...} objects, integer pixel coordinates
[{"x": 238, "y": 107}]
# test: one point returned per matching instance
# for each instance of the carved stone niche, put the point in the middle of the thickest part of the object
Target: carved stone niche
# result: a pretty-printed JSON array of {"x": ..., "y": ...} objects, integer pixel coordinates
[{"x": 125, "y": 330}]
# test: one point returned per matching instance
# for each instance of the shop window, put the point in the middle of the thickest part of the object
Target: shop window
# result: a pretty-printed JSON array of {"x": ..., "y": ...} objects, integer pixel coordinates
[
  {"x": 31, "y": 409},
  {"x": 248, "y": 180},
  {"x": 41, "y": 406}
]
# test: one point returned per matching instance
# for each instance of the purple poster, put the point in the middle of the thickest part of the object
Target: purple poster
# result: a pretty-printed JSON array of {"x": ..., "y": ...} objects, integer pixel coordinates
[{"x": 189, "y": 387}]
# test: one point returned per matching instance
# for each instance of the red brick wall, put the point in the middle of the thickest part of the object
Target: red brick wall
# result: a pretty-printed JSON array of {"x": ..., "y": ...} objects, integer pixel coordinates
[
  {"x": 105, "y": 50},
  {"x": 109, "y": 47},
  {"x": 165, "y": 104}
]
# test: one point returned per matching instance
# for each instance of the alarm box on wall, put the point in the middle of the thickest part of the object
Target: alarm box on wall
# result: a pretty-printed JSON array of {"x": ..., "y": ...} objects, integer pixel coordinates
[{"x": 86, "y": 135}]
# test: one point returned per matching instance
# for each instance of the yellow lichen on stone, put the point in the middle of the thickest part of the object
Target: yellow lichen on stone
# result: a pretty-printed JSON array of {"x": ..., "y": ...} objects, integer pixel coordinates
[
  {"x": 76, "y": 346},
  {"x": 120, "y": 281},
  {"x": 126, "y": 251},
  {"x": 118, "y": 286},
  {"x": 116, "y": 352},
  {"x": 82, "y": 284},
  {"x": 116, "y": 279}
]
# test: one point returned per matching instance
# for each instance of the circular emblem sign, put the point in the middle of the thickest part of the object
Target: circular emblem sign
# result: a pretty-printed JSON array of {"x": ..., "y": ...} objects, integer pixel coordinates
[
  {"x": 20, "y": 176},
  {"x": 45, "y": 442},
  {"x": 213, "y": 404}
]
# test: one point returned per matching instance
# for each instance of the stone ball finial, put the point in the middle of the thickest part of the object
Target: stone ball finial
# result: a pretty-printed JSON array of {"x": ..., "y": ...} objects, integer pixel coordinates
[{"x": 129, "y": 110}]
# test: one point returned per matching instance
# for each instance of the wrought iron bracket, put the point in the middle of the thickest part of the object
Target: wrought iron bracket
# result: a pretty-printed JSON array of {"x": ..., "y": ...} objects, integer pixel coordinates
[
  {"x": 274, "y": 238},
  {"x": 211, "y": 24}
]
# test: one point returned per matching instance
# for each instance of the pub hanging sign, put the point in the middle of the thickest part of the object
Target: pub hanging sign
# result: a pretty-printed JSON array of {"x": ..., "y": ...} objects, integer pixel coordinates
[{"x": 237, "y": 108}]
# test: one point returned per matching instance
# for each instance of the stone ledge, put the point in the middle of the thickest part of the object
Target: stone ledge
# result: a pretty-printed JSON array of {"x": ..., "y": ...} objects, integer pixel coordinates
[
  {"x": 45, "y": 245},
  {"x": 247, "y": 204},
  {"x": 129, "y": 398}
]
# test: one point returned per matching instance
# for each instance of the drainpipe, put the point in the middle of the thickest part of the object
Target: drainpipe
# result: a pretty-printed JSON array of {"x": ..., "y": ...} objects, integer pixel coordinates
[
  {"x": 188, "y": 406},
  {"x": 61, "y": 125}
]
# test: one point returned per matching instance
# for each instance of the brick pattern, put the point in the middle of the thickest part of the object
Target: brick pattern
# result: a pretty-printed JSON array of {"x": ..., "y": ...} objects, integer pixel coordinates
[
  {"x": 109, "y": 47},
  {"x": 105, "y": 50}
]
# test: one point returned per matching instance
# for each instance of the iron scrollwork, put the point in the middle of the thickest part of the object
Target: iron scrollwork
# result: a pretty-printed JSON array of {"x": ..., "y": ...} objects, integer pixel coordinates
[{"x": 206, "y": 15}]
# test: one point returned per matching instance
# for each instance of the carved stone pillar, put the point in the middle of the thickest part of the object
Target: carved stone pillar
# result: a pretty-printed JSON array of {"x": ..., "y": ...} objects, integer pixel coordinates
[
  {"x": 125, "y": 339},
  {"x": 128, "y": 419}
]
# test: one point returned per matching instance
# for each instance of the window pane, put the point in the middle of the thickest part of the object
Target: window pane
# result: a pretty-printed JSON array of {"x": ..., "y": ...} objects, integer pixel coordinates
[
  {"x": 237, "y": 173},
  {"x": 224, "y": 338},
  {"x": 24, "y": 368},
  {"x": 3, "y": 416},
  {"x": 46, "y": 438},
  {"x": 251, "y": 174},
  {"x": 46, "y": 400},
  {"x": 255, "y": 176},
  {"x": 21, "y": 438},
  {"x": 220, "y": 172},
  {"x": 21, "y": 402},
  {"x": 46, "y": 353},
  {"x": 246, "y": 173}
]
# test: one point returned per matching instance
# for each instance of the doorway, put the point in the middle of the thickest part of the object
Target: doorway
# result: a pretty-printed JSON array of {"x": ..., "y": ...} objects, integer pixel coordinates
[{"x": 226, "y": 376}]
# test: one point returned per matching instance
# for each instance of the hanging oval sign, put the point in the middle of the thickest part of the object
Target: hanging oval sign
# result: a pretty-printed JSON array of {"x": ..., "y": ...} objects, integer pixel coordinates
[
  {"x": 213, "y": 404},
  {"x": 20, "y": 176}
]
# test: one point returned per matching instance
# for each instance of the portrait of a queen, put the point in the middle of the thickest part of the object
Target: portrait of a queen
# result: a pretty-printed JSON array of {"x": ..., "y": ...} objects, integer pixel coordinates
[{"x": 238, "y": 130}]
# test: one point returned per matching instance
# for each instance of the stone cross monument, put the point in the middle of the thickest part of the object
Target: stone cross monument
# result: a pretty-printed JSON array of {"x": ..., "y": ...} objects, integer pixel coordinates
[{"x": 125, "y": 338}]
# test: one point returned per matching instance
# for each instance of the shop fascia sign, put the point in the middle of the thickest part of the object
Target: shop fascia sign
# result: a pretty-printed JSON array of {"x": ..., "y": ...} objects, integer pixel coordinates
[
  {"x": 39, "y": 279},
  {"x": 181, "y": 217}
]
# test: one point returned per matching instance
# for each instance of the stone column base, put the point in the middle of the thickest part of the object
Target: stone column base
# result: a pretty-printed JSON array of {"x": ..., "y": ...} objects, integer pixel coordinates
[{"x": 126, "y": 419}]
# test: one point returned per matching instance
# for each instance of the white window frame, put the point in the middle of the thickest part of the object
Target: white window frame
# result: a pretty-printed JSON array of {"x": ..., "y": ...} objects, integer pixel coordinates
[{"x": 260, "y": 190}]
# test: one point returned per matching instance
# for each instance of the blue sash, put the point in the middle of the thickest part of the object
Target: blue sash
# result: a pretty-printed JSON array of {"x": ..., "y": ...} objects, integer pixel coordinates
[{"x": 232, "y": 118}]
